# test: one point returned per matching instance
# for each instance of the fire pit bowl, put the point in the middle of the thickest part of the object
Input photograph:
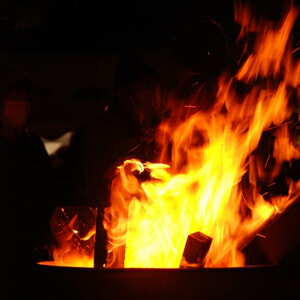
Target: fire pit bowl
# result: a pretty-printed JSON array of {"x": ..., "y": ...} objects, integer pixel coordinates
[{"x": 254, "y": 282}]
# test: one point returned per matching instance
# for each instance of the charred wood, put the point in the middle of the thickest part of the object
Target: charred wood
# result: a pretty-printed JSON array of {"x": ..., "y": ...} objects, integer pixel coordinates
[
  {"x": 196, "y": 248},
  {"x": 277, "y": 240}
]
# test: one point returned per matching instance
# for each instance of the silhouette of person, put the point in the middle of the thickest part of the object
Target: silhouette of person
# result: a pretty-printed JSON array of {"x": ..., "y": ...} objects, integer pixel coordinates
[
  {"x": 25, "y": 170},
  {"x": 126, "y": 129}
]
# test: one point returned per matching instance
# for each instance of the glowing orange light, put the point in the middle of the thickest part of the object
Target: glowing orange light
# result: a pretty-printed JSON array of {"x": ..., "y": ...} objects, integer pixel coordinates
[{"x": 199, "y": 186}]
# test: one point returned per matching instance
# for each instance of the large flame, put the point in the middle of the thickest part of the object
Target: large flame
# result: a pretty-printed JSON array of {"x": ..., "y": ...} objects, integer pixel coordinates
[{"x": 211, "y": 179}]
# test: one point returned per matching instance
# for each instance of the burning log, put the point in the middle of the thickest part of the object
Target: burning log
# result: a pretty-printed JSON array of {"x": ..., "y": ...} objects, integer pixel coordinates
[
  {"x": 196, "y": 248},
  {"x": 279, "y": 239}
]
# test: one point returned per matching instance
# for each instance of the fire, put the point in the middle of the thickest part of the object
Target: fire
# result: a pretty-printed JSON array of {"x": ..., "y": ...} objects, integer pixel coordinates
[
  {"x": 211, "y": 181},
  {"x": 73, "y": 230}
]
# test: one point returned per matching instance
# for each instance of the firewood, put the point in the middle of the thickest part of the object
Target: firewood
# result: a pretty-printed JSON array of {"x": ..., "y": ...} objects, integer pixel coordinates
[
  {"x": 277, "y": 240},
  {"x": 196, "y": 248}
]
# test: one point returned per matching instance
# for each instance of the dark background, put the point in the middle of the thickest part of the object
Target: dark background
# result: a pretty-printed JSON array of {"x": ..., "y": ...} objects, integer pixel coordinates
[
  {"x": 70, "y": 48},
  {"x": 99, "y": 25}
]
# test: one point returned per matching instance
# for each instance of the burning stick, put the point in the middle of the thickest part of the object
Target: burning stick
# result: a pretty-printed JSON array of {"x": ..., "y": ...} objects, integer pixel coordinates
[
  {"x": 196, "y": 248},
  {"x": 100, "y": 241}
]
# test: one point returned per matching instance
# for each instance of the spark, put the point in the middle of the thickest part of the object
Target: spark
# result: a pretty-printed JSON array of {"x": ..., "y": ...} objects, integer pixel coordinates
[
  {"x": 295, "y": 50},
  {"x": 261, "y": 235},
  {"x": 190, "y": 106},
  {"x": 134, "y": 148},
  {"x": 195, "y": 83},
  {"x": 267, "y": 160}
]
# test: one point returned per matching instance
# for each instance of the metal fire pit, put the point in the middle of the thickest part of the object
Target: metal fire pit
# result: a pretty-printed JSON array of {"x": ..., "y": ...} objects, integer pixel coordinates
[{"x": 270, "y": 282}]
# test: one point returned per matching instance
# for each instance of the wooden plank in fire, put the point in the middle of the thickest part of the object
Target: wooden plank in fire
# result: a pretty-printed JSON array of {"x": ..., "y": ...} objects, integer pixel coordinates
[
  {"x": 196, "y": 248},
  {"x": 278, "y": 240}
]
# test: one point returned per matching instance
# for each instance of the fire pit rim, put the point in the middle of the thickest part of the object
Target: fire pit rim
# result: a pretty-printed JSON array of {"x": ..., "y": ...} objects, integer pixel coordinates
[{"x": 250, "y": 268}]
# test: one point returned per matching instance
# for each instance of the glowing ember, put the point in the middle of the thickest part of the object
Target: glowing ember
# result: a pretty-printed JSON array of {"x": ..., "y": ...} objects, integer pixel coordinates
[{"x": 210, "y": 183}]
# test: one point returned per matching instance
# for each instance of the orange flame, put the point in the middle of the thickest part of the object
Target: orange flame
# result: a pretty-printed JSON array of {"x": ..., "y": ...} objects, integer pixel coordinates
[
  {"x": 73, "y": 230},
  {"x": 209, "y": 182}
]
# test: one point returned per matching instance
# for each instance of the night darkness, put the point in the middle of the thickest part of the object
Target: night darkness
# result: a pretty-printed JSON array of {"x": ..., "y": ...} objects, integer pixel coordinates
[
  {"x": 74, "y": 25},
  {"x": 66, "y": 25}
]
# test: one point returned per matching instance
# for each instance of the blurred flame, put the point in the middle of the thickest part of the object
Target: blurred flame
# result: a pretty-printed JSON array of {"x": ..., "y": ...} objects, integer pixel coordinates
[{"x": 208, "y": 182}]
